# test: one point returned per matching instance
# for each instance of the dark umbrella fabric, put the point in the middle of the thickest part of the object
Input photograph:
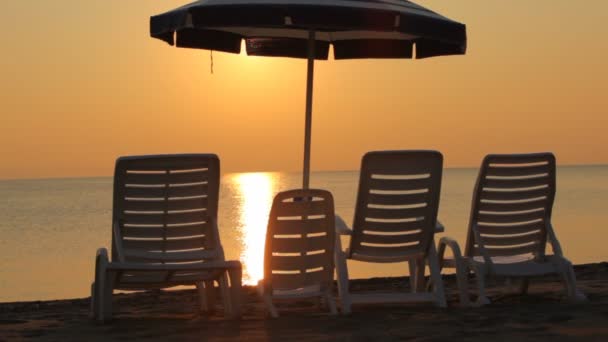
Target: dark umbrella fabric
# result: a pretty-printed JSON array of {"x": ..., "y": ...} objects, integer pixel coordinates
[{"x": 355, "y": 28}]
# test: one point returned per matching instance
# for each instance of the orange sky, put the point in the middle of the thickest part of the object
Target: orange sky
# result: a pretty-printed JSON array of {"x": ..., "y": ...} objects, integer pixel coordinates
[{"x": 81, "y": 83}]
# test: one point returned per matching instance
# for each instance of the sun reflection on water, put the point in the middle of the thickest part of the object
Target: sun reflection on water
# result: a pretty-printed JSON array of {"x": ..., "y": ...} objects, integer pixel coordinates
[{"x": 255, "y": 192}]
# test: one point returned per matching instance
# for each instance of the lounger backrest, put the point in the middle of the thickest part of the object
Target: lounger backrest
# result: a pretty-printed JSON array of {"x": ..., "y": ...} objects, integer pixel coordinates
[
  {"x": 300, "y": 240},
  {"x": 397, "y": 204},
  {"x": 165, "y": 208},
  {"x": 512, "y": 204}
]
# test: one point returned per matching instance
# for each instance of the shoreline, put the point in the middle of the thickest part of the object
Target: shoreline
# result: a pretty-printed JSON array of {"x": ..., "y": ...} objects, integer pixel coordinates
[{"x": 162, "y": 315}]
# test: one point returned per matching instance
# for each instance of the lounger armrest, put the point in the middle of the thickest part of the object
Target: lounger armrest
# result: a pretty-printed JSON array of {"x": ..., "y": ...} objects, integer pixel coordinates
[
  {"x": 102, "y": 253},
  {"x": 557, "y": 248},
  {"x": 439, "y": 227},
  {"x": 341, "y": 227},
  {"x": 482, "y": 250},
  {"x": 117, "y": 241},
  {"x": 218, "y": 243},
  {"x": 452, "y": 244}
]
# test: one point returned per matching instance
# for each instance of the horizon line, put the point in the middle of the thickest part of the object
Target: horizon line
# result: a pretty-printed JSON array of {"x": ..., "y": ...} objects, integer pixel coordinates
[{"x": 266, "y": 171}]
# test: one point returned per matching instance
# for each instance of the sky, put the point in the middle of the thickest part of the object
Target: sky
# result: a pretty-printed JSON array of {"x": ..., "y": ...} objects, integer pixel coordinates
[{"x": 82, "y": 83}]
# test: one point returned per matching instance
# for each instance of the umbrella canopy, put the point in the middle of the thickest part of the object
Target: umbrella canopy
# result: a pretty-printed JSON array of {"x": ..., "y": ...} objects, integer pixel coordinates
[{"x": 306, "y": 28}]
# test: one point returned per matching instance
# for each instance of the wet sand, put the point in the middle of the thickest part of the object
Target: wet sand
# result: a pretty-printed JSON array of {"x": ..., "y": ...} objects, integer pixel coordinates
[{"x": 543, "y": 314}]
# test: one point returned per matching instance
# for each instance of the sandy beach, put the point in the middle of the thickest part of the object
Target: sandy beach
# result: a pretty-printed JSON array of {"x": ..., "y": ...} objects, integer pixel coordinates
[{"x": 543, "y": 314}]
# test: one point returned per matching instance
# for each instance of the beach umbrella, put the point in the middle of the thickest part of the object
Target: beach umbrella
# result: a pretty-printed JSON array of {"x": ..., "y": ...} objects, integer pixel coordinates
[{"x": 306, "y": 28}]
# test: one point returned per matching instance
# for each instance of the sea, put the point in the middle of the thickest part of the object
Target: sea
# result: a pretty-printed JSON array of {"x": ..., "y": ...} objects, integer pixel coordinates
[{"x": 50, "y": 229}]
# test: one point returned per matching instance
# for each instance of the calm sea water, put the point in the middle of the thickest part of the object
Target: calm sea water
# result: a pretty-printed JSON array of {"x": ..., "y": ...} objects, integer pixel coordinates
[{"x": 50, "y": 229}]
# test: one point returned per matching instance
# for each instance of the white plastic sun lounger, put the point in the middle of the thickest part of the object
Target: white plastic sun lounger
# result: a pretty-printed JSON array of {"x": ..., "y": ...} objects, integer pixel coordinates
[
  {"x": 510, "y": 226},
  {"x": 298, "y": 257},
  {"x": 395, "y": 221},
  {"x": 164, "y": 232}
]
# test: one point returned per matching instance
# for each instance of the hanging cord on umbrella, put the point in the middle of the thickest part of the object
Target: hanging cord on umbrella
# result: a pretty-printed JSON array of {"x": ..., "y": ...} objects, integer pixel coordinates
[{"x": 211, "y": 60}]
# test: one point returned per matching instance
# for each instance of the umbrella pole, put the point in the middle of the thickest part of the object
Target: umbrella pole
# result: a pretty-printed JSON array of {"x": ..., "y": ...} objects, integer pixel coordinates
[{"x": 308, "y": 124}]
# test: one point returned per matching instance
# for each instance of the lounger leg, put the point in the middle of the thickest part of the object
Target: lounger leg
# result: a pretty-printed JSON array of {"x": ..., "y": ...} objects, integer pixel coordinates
[
  {"x": 267, "y": 298},
  {"x": 100, "y": 300},
  {"x": 342, "y": 277},
  {"x": 210, "y": 295},
  {"x": 329, "y": 299},
  {"x": 102, "y": 288},
  {"x": 569, "y": 280},
  {"x": 202, "y": 297},
  {"x": 435, "y": 276},
  {"x": 317, "y": 302},
  {"x": 235, "y": 275},
  {"x": 107, "y": 288},
  {"x": 524, "y": 285},
  {"x": 420, "y": 266},
  {"x": 225, "y": 294},
  {"x": 462, "y": 272},
  {"x": 413, "y": 274},
  {"x": 461, "y": 265},
  {"x": 480, "y": 275},
  {"x": 94, "y": 310},
  {"x": 270, "y": 306}
]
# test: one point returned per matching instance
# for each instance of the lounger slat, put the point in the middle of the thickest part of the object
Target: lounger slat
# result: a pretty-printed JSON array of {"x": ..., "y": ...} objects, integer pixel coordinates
[
  {"x": 174, "y": 256},
  {"x": 388, "y": 252},
  {"x": 305, "y": 208},
  {"x": 512, "y": 229},
  {"x": 525, "y": 159},
  {"x": 141, "y": 219},
  {"x": 532, "y": 248},
  {"x": 146, "y": 178},
  {"x": 159, "y": 205},
  {"x": 408, "y": 199},
  {"x": 185, "y": 204},
  {"x": 517, "y": 171},
  {"x": 161, "y": 244},
  {"x": 177, "y": 218},
  {"x": 299, "y": 262},
  {"x": 508, "y": 207},
  {"x": 171, "y": 162},
  {"x": 300, "y": 226},
  {"x": 287, "y": 281},
  {"x": 291, "y": 281},
  {"x": 516, "y": 183},
  {"x": 188, "y": 191},
  {"x": 394, "y": 227},
  {"x": 297, "y": 245},
  {"x": 514, "y": 195},
  {"x": 379, "y": 168},
  {"x": 169, "y": 232},
  {"x": 511, "y": 240},
  {"x": 511, "y": 218},
  {"x": 392, "y": 239},
  {"x": 166, "y": 178},
  {"x": 163, "y": 192},
  {"x": 143, "y": 232},
  {"x": 398, "y": 184},
  {"x": 378, "y": 213}
]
